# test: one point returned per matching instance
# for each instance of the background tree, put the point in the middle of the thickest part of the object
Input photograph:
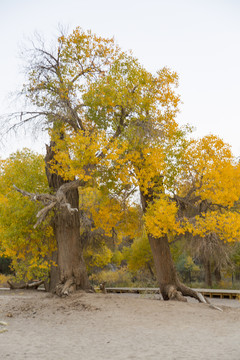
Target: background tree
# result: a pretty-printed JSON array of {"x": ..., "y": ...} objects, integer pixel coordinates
[
  {"x": 213, "y": 253},
  {"x": 139, "y": 259},
  {"x": 30, "y": 249},
  {"x": 206, "y": 193},
  {"x": 105, "y": 223},
  {"x": 235, "y": 257}
]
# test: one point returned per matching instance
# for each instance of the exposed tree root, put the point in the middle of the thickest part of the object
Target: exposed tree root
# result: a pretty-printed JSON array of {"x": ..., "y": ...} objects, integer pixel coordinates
[
  {"x": 66, "y": 288},
  {"x": 186, "y": 291},
  {"x": 32, "y": 285},
  {"x": 172, "y": 292}
]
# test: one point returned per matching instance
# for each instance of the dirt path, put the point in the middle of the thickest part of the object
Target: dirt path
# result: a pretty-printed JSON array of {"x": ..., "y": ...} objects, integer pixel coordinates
[{"x": 98, "y": 326}]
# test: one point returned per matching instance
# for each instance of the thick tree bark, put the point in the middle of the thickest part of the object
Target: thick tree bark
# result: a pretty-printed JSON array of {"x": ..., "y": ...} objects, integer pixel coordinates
[
  {"x": 170, "y": 286},
  {"x": 70, "y": 273},
  {"x": 165, "y": 270}
]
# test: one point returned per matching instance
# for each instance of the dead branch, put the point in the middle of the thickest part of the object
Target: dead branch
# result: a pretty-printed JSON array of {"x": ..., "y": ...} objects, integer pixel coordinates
[
  {"x": 44, "y": 198},
  {"x": 51, "y": 201},
  {"x": 33, "y": 285},
  {"x": 42, "y": 214}
]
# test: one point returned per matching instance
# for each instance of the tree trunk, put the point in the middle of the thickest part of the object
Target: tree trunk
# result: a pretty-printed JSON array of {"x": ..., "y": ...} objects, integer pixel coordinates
[
  {"x": 170, "y": 286},
  {"x": 71, "y": 271},
  {"x": 165, "y": 270},
  {"x": 207, "y": 273},
  {"x": 217, "y": 274}
]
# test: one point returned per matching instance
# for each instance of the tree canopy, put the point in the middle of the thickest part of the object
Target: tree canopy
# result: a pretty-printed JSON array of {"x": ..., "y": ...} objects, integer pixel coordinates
[{"x": 115, "y": 136}]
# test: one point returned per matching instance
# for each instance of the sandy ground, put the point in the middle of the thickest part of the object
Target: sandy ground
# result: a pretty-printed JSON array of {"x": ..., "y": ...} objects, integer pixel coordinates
[{"x": 97, "y": 326}]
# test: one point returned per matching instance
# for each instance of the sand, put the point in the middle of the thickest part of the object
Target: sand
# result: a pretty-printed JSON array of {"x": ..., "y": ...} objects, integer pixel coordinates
[{"x": 107, "y": 326}]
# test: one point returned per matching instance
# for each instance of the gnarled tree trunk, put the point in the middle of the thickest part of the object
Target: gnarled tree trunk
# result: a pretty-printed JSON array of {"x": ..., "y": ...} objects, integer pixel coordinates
[
  {"x": 170, "y": 286},
  {"x": 71, "y": 271},
  {"x": 165, "y": 269}
]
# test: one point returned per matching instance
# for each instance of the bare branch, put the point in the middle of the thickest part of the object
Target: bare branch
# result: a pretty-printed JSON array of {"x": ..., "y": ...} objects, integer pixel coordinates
[
  {"x": 44, "y": 198},
  {"x": 42, "y": 214},
  {"x": 51, "y": 201},
  {"x": 33, "y": 285}
]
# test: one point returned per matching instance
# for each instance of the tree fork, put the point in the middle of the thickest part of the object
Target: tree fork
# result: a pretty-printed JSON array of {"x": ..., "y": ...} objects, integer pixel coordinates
[{"x": 70, "y": 273}]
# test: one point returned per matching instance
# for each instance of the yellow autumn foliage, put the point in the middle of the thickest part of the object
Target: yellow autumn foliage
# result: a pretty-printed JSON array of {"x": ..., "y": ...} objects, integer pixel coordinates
[
  {"x": 211, "y": 169},
  {"x": 160, "y": 217},
  {"x": 109, "y": 213},
  {"x": 114, "y": 127},
  {"x": 98, "y": 258},
  {"x": 29, "y": 249},
  {"x": 225, "y": 225}
]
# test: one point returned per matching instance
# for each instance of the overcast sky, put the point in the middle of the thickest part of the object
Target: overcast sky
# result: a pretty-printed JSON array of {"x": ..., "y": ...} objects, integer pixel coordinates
[{"x": 200, "y": 39}]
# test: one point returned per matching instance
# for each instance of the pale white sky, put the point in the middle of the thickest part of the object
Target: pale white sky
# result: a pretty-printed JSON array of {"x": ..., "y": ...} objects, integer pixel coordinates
[{"x": 200, "y": 39}]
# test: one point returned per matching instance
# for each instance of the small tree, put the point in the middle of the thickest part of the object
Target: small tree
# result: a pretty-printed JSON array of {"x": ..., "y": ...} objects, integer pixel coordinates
[{"x": 30, "y": 249}]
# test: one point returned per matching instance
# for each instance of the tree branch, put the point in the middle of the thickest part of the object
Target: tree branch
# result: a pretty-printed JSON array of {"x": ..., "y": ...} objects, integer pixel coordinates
[
  {"x": 42, "y": 214},
  {"x": 43, "y": 198},
  {"x": 51, "y": 201}
]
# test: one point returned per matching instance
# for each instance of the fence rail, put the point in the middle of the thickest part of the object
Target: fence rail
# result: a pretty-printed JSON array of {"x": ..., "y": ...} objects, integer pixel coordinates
[{"x": 212, "y": 293}]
